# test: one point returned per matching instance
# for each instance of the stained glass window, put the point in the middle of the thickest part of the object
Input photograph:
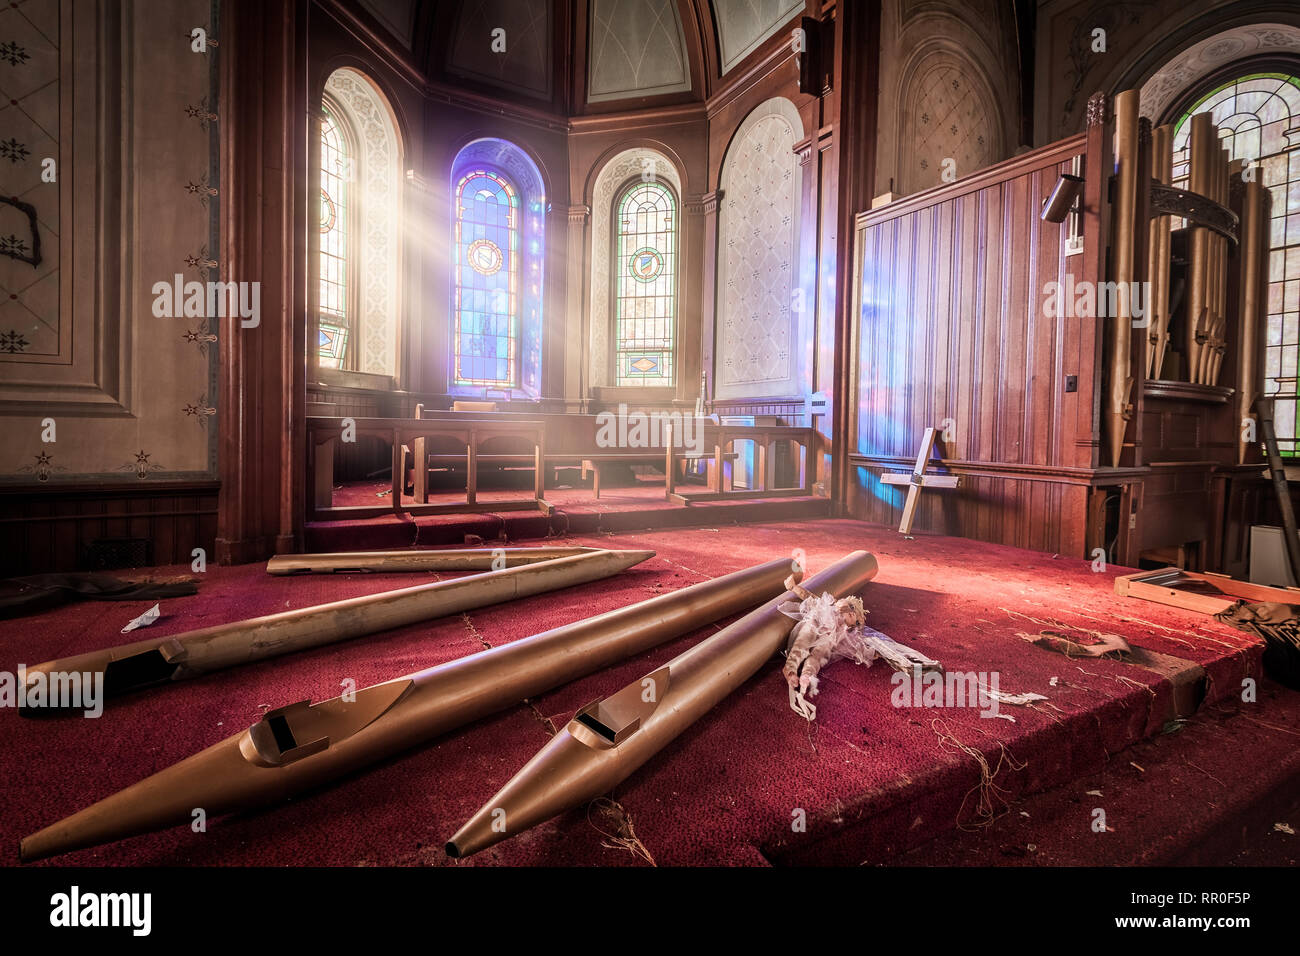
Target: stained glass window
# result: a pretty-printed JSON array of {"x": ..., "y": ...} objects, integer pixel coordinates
[
  {"x": 486, "y": 264},
  {"x": 645, "y": 285},
  {"x": 334, "y": 316},
  {"x": 1258, "y": 116}
]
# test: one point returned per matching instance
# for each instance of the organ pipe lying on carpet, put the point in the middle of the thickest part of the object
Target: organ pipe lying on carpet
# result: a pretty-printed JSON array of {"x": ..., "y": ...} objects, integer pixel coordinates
[
  {"x": 451, "y": 559},
  {"x": 608, "y": 740},
  {"x": 130, "y": 667},
  {"x": 303, "y": 745}
]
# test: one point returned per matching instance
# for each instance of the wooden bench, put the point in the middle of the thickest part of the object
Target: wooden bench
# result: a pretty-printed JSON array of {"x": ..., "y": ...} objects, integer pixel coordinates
[
  {"x": 594, "y": 464},
  {"x": 722, "y": 438}
]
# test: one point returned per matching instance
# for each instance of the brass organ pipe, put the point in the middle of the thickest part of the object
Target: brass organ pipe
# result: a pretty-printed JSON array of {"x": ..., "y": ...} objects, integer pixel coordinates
[{"x": 1198, "y": 245}]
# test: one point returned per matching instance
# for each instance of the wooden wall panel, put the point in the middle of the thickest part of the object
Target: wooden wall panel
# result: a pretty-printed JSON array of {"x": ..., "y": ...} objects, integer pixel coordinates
[
  {"x": 53, "y": 529},
  {"x": 951, "y": 330}
]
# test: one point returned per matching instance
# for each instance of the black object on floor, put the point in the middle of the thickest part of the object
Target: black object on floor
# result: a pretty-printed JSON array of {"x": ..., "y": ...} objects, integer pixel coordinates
[{"x": 40, "y": 592}]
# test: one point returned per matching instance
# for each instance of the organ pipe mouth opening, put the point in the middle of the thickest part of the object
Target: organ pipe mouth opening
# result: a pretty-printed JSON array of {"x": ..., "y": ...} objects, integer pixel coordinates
[
  {"x": 276, "y": 741},
  {"x": 138, "y": 671},
  {"x": 609, "y": 733},
  {"x": 619, "y": 716}
]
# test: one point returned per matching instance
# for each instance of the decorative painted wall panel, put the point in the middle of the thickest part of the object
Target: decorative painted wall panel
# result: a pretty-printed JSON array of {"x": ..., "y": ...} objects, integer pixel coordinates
[
  {"x": 948, "y": 115},
  {"x": 758, "y": 256},
  {"x": 29, "y": 229},
  {"x": 128, "y": 382},
  {"x": 744, "y": 24},
  {"x": 637, "y": 49}
]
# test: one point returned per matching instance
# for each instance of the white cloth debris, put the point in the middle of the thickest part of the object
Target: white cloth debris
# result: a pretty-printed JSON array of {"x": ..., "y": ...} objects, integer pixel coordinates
[
  {"x": 829, "y": 630},
  {"x": 145, "y": 619},
  {"x": 1019, "y": 700}
]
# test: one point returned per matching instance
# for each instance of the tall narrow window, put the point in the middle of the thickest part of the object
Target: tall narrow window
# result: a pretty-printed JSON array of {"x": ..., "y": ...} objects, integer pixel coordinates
[
  {"x": 498, "y": 256},
  {"x": 486, "y": 338},
  {"x": 645, "y": 286},
  {"x": 335, "y": 172},
  {"x": 357, "y": 243},
  {"x": 1258, "y": 116}
]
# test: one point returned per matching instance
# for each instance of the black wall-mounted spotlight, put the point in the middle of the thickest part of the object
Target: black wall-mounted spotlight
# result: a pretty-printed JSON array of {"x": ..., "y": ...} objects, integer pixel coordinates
[{"x": 1059, "y": 204}]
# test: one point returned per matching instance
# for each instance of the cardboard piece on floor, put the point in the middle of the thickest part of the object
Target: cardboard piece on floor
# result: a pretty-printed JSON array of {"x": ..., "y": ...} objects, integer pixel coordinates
[{"x": 918, "y": 479}]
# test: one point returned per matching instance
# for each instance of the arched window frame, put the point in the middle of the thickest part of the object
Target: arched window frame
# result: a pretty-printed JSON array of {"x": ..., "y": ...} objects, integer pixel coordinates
[
  {"x": 351, "y": 320},
  {"x": 376, "y": 206},
  {"x": 511, "y": 165},
  {"x": 1280, "y": 174},
  {"x": 624, "y": 357}
]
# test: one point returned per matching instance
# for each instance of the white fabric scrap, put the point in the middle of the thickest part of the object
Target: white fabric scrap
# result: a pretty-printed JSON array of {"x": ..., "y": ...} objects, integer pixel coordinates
[
  {"x": 145, "y": 619},
  {"x": 828, "y": 630},
  {"x": 1019, "y": 700}
]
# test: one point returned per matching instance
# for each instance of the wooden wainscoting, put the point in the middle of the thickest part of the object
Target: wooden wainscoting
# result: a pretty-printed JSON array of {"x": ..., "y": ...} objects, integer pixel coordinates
[
  {"x": 951, "y": 331},
  {"x": 71, "y": 528}
]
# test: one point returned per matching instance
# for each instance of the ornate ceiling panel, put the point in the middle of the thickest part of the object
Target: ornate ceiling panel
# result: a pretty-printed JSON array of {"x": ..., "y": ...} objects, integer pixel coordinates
[
  {"x": 637, "y": 49},
  {"x": 506, "y": 44},
  {"x": 744, "y": 24},
  {"x": 397, "y": 15}
]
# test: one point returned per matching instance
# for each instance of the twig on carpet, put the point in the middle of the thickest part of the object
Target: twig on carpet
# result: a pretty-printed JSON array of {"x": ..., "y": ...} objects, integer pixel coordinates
[
  {"x": 624, "y": 836},
  {"x": 542, "y": 718},
  {"x": 1123, "y": 680},
  {"x": 1270, "y": 726},
  {"x": 473, "y": 631},
  {"x": 684, "y": 567},
  {"x": 985, "y": 810},
  {"x": 1188, "y": 763}
]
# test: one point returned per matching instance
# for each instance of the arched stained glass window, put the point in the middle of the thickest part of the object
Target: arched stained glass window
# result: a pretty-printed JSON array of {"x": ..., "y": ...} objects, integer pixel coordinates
[
  {"x": 1258, "y": 116},
  {"x": 498, "y": 256},
  {"x": 486, "y": 329},
  {"x": 645, "y": 285},
  {"x": 335, "y": 174}
]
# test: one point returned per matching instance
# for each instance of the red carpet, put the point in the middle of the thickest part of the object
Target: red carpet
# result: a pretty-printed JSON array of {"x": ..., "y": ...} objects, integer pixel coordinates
[{"x": 872, "y": 780}]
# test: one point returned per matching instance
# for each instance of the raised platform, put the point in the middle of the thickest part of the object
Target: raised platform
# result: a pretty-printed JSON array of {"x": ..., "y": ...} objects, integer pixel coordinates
[
  {"x": 634, "y": 507},
  {"x": 873, "y": 781}
]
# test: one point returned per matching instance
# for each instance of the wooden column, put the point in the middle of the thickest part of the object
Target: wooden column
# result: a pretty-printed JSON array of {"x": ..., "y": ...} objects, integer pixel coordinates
[
  {"x": 263, "y": 195},
  {"x": 846, "y": 177},
  {"x": 694, "y": 293},
  {"x": 1117, "y": 404},
  {"x": 709, "y": 301},
  {"x": 577, "y": 338},
  {"x": 1083, "y": 333}
]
